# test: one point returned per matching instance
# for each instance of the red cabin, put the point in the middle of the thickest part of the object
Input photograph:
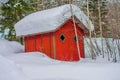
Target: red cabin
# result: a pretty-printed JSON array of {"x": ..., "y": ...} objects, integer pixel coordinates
[{"x": 53, "y": 34}]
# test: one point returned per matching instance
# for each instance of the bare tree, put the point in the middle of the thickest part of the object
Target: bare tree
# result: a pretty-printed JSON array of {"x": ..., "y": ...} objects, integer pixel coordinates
[
  {"x": 99, "y": 12},
  {"x": 91, "y": 45},
  {"x": 114, "y": 19}
]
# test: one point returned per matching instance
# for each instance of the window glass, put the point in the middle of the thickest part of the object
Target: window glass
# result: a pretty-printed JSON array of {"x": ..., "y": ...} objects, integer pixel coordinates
[{"x": 62, "y": 37}]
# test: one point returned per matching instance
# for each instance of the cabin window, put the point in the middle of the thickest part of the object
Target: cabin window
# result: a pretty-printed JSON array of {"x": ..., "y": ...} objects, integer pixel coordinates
[
  {"x": 62, "y": 37},
  {"x": 75, "y": 38}
]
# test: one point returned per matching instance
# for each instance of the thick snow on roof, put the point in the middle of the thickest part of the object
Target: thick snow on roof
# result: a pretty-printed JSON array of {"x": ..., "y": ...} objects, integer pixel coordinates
[{"x": 49, "y": 20}]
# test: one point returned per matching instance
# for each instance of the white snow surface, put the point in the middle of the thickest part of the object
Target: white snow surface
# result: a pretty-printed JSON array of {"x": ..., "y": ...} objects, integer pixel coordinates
[
  {"x": 49, "y": 20},
  {"x": 10, "y": 71},
  {"x": 37, "y": 66},
  {"x": 8, "y": 48}
]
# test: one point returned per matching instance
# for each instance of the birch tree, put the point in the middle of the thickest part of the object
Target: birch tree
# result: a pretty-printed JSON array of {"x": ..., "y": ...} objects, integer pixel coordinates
[
  {"x": 91, "y": 45},
  {"x": 114, "y": 19},
  {"x": 99, "y": 12}
]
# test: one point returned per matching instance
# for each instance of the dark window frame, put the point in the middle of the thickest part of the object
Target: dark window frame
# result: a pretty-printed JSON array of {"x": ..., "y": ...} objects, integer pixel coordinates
[
  {"x": 63, "y": 37},
  {"x": 75, "y": 39}
]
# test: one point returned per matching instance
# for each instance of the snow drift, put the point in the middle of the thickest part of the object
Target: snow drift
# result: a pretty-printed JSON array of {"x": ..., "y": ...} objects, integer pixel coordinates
[
  {"x": 10, "y": 71},
  {"x": 37, "y": 66},
  {"x": 8, "y": 48}
]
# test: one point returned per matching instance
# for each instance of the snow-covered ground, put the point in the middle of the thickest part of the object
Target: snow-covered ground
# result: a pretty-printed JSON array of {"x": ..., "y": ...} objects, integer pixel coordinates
[{"x": 17, "y": 65}]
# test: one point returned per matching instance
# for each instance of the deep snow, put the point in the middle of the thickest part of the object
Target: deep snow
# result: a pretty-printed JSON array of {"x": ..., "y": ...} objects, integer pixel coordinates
[
  {"x": 10, "y": 70},
  {"x": 8, "y": 48},
  {"x": 36, "y": 66}
]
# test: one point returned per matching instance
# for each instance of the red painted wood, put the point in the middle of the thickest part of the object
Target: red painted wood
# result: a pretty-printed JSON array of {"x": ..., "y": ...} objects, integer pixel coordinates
[
  {"x": 29, "y": 44},
  {"x": 51, "y": 45},
  {"x": 46, "y": 44},
  {"x": 26, "y": 44},
  {"x": 81, "y": 41},
  {"x": 38, "y": 43},
  {"x": 65, "y": 50}
]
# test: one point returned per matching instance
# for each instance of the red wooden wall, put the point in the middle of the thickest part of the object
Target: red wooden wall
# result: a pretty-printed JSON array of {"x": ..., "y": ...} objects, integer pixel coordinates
[{"x": 65, "y": 50}]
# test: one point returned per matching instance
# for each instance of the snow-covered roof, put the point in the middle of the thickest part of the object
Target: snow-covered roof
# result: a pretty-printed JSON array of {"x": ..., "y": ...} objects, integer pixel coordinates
[{"x": 49, "y": 20}]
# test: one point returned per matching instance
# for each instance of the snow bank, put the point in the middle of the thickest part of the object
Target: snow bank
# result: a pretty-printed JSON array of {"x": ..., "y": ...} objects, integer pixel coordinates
[
  {"x": 40, "y": 67},
  {"x": 31, "y": 58},
  {"x": 37, "y": 66},
  {"x": 78, "y": 71},
  {"x": 49, "y": 20},
  {"x": 10, "y": 71},
  {"x": 10, "y": 47}
]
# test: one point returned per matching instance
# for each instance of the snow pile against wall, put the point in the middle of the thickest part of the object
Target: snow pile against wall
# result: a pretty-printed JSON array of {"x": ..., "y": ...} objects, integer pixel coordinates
[
  {"x": 49, "y": 20},
  {"x": 10, "y": 47},
  {"x": 10, "y": 71}
]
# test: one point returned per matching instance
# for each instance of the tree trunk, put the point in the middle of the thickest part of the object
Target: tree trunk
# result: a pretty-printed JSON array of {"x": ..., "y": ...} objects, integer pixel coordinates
[
  {"x": 91, "y": 45},
  {"x": 99, "y": 11}
]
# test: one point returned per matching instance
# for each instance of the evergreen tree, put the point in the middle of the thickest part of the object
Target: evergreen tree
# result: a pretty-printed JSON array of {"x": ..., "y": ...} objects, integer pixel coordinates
[{"x": 11, "y": 12}]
